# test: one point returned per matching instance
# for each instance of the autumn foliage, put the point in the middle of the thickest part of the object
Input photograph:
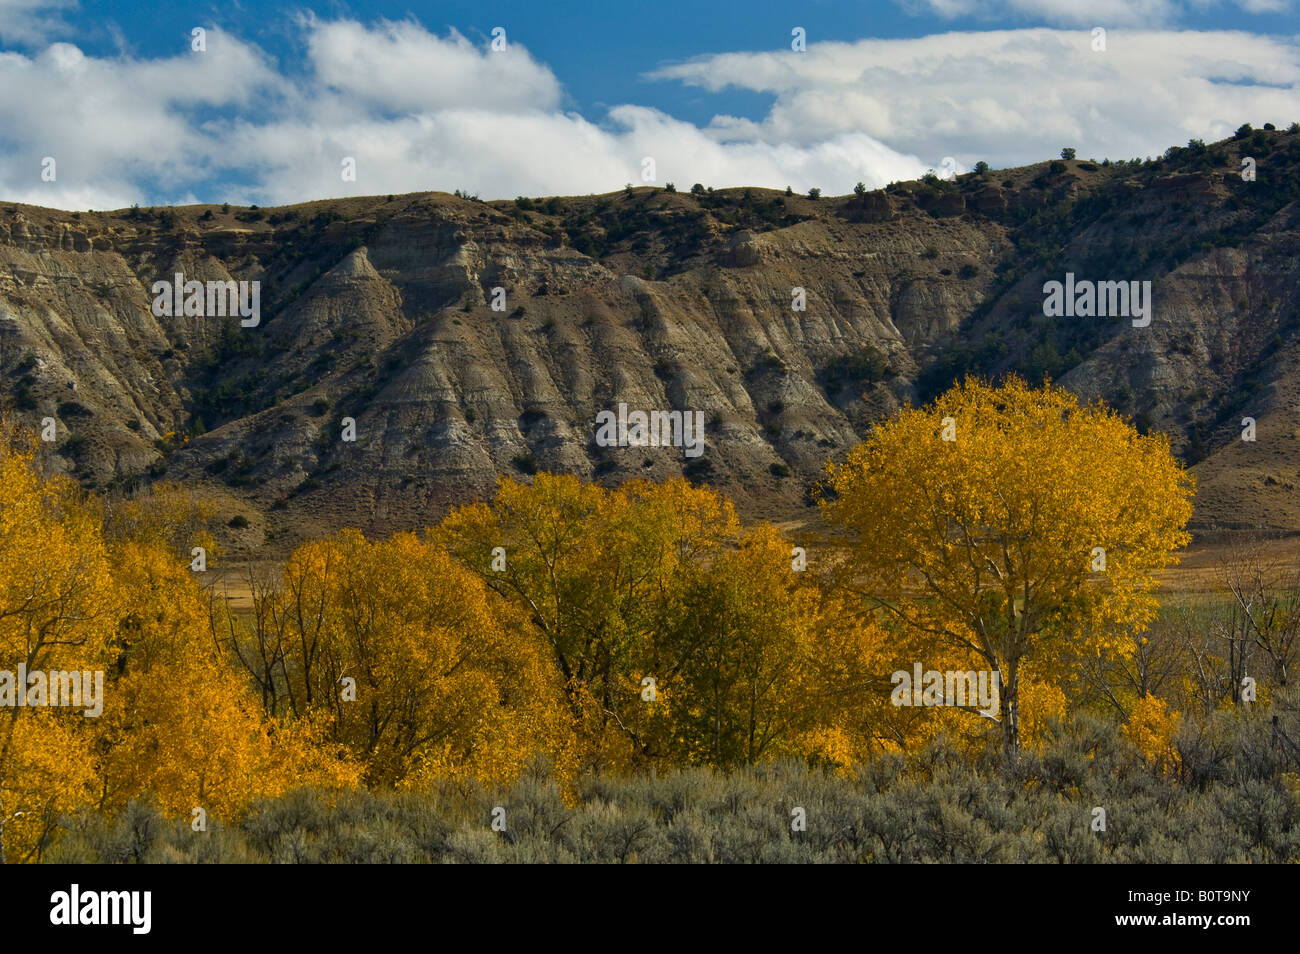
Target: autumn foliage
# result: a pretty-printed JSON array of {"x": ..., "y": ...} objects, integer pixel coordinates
[
  {"x": 402, "y": 660},
  {"x": 679, "y": 637},
  {"x": 179, "y": 723},
  {"x": 582, "y": 631},
  {"x": 1011, "y": 529}
]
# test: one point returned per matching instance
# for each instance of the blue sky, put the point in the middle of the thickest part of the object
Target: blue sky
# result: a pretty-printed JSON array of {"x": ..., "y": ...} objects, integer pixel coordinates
[{"x": 411, "y": 91}]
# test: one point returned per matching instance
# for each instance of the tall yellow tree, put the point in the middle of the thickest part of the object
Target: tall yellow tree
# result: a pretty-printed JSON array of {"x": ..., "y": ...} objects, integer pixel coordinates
[
  {"x": 57, "y": 601},
  {"x": 1014, "y": 525},
  {"x": 416, "y": 669},
  {"x": 771, "y": 664},
  {"x": 681, "y": 639},
  {"x": 107, "y": 594},
  {"x": 181, "y": 723},
  {"x": 600, "y": 573}
]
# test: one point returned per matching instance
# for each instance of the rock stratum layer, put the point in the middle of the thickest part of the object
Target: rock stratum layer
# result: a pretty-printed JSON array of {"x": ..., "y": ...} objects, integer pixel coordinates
[{"x": 381, "y": 310}]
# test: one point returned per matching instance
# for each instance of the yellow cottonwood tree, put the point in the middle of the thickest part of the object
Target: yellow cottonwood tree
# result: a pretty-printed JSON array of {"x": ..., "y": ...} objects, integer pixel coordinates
[
  {"x": 177, "y": 723},
  {"x": 680, "y": 640},
  {"x": 407, "y": 659},
  {"x": 771, "y": 665},
  {"x": 182, "y": 724},
  {"x": 600, "y": 573},
  {"x": 1012, "y": 524},
  {"x": 57, "y": 598}
]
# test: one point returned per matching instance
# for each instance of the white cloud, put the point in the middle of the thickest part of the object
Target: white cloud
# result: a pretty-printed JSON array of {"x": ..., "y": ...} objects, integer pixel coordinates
[
  {"x": 418, "y": 112},
  {"x": 401, "y": 67},
  {"x": 31, "y": 21},
  {"x": 1105, "y": 13},
  {"x": 415, "y": 111},
  {"x": 1012, "y": 96},
  {"x": 114, "y": 126}
]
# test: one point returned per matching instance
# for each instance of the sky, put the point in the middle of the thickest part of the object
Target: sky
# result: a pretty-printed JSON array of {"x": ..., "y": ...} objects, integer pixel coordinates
[{"x": 274, "y": 104}]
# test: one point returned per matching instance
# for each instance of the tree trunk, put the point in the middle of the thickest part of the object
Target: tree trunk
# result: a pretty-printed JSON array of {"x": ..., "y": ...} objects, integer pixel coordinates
[{"x": 1009, "y": 704}]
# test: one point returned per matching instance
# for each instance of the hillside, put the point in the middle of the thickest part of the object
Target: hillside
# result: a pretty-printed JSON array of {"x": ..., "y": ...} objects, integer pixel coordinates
[{"x": 379, "y": 309}]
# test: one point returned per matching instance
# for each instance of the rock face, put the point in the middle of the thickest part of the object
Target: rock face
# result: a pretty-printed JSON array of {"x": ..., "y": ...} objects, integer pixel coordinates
[{"x": 458, "y": 340}]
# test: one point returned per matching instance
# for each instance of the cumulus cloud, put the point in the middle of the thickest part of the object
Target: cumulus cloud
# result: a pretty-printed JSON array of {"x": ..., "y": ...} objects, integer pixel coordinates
[
  {"x": 1012, "y": 96},
  {"x": 401, "y": 67},
  {"x": 417, "y": 111},
  {"x": 115, "y": 128},
  {"x": 414, "y": 111}
]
